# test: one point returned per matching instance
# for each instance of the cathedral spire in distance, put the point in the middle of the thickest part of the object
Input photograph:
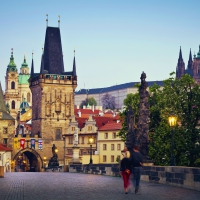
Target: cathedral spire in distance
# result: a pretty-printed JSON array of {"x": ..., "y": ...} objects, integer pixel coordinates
[
  {"x": 190, "y": 61},
  {"x": 180, "y": 55},
  {"x": 180, "y": 69}
]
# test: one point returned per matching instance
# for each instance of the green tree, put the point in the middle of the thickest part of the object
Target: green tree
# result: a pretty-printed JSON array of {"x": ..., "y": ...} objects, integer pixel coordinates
[
  {"x": 88, "y": 101},
  {"x": 182, "y": 96}
]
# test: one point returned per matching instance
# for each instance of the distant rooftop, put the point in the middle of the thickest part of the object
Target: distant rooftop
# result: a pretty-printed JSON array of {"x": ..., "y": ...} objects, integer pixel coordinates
[{"x": 115, "y": 87}]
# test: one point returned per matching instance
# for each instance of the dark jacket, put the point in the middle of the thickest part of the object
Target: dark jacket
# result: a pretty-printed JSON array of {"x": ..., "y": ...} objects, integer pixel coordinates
[
  {"x": 136, "y": 158},
  {"x": 125, "y": 164}
]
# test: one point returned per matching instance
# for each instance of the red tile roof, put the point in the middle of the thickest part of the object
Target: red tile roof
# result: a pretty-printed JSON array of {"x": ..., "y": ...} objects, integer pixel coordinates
[
  {"x": 81, "y": 121},
  {"x": 101, "y": 120},
  {"x": 111, "y": 125},
  {"x": 4, "y": 148}
]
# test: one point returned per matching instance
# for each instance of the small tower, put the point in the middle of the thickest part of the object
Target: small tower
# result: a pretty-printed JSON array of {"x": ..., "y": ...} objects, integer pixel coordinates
[
  {"x": 12, "y": 97},
  {"x": 196, "y": 66},
  {"x": 180, "y": 69},
  {"x": 189, "y": 69},
  {"x": 23, "y": 84}
]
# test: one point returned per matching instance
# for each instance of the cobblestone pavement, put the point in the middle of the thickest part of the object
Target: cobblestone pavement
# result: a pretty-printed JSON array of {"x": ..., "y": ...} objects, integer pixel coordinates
[{"x": 75, "y": 186}]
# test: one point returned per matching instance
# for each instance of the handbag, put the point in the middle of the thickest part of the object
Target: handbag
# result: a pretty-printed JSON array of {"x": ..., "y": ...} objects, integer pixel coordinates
[{"x": 127, "y": 171}]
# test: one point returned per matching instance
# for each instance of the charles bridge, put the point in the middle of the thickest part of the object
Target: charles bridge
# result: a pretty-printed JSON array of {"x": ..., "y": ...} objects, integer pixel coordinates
[{"x": 80, "y": 186}]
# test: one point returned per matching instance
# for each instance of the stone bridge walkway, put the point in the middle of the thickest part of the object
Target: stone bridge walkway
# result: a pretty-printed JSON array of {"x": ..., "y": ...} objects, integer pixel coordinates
[{"x": 74, "y": 186}]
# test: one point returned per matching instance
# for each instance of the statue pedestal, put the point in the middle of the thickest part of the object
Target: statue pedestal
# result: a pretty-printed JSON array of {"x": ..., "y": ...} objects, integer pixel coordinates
[{"x": 75, "y": 158}]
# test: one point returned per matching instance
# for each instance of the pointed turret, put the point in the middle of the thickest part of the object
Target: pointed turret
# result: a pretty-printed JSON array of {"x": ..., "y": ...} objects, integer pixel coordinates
[
  {"x": 198, "y": 54},
  {"x": 180, "y": 55},
  {"x": 12, "y": 67},
  {"x": 32, "y": 67},
  {"x": 180, "y": 69},
  {"x": 190, "y": 61},
  {"x": 74, "y": 66}
]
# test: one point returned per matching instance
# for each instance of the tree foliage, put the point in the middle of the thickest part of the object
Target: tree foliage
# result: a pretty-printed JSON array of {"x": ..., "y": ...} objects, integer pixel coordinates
[
  {"x": 108, "y": 101},
  {"x": 182, "y": 96},
  {"x": 88, "y": 101}
]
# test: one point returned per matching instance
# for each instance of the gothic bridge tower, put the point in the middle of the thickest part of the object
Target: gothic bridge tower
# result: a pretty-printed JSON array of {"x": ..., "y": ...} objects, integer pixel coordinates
[{"x": 52, "y": 94}]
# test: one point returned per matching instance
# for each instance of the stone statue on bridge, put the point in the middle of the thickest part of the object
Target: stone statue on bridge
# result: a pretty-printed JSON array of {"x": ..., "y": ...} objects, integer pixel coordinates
[{"x": 139, "y": 134}]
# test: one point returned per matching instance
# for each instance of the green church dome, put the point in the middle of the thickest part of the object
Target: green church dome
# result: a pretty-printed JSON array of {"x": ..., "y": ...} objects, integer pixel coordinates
[
  {"x": 24, "y": 64},
  {"x": 198, "y": 54},
  {"x": 12, "y": 66}
]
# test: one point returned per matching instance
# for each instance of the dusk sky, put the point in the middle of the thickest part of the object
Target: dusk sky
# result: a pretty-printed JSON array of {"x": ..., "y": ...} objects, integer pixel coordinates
[{"x": 115, "y": 40}]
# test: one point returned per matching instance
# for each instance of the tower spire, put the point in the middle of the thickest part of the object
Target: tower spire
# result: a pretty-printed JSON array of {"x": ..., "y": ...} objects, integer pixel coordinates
[
  {"x": 180, "y": 69},
  {"x": 190, "y": 60},
  {"x": 180, "y": 54},
  {"x": 47, "y": 20},
  {"x": 58, "y": 21},
  {"x": 74, "y": 66},
  {"x": 32, "y": 66}
]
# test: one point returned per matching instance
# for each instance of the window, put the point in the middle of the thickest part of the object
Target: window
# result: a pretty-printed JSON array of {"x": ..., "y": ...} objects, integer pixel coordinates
[
  {"x": 13, "y": 105},
  {"x": 71, "y": 140},
  {"x": 112, "y": 158},
  {"x": 82, "y": 140},
  {"x": 28, "y": 97},
  {"x": 0, "y": 156},
  {"x": 73, "y": 128},
  {"x": 112, "y": 147},
  {"x": 5, "y": 141},
  {"x": 89, "y": 128},
  {"x": 58, "y": 133},
  {"x": 12, "y": 85},
  {"x": 69, "y": 151},
  {"x": 113, "y": 135},
  {"x": 5, "y": 130},
  {"x": 104, "y": 158},
  {"x": 104, "y": 146},
  {"x": 118, "y": 146},
  {"x": 106, "y": 136}
]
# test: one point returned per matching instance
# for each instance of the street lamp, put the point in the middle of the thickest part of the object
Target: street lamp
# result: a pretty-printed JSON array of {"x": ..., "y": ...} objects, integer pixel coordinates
[
  {"x": 56, "y": 150},
  {"x": 45, "y": 161},
  {"x": 172, "y": 122},
  {"x": 91, "y": 140}
]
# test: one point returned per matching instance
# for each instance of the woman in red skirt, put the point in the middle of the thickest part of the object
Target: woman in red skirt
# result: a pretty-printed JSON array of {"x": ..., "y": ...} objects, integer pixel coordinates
[{"x": 125, "y": 169}]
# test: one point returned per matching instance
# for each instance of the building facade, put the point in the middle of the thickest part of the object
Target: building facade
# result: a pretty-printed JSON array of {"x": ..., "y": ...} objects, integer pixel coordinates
[
  {"x": 16, "y": 86},
  {"x": 119, "y": 92}
]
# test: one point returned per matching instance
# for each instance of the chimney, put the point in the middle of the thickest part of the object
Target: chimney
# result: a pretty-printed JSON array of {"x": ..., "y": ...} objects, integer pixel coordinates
[
  {"x": 79, "y": 113},
  {"x": 84, "y": 107},
  {"x": 93, "y": 108},
  {"x": 77, "y": 106}
]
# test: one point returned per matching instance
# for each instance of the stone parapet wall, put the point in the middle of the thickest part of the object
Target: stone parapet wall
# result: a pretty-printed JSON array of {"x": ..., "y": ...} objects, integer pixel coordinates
[{"x": 186, "y": 177}]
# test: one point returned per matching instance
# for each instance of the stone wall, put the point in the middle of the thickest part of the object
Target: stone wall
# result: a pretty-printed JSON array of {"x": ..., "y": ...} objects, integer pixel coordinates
[{"x": 186, "y": 177}]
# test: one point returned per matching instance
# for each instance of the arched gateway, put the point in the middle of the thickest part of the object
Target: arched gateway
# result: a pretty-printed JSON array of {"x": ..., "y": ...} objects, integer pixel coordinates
[{"x": 27, "y": 160}]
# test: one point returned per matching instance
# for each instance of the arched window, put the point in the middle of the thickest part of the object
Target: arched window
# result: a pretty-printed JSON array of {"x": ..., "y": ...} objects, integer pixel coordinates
[
  {"x": 12, "y": 85},
  {"x": 28, "y": 97},
  {"x": 13, "y": 105}
]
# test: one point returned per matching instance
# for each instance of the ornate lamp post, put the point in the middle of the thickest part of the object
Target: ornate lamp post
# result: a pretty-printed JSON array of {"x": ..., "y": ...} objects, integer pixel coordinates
[
  {"x": 91, "y": 140},
  {"x": 64, "y": 151},
  {"x": 172, "y": 123},
  {"x": 45, "y": 161}
]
